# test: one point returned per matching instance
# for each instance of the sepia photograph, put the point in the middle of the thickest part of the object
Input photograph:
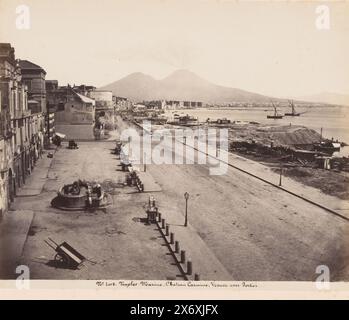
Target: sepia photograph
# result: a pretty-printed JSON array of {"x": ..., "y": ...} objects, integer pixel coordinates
[{"x": 174, "y": 144}]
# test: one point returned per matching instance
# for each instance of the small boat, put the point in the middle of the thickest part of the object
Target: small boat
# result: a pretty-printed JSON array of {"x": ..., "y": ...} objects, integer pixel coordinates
[
  {"x": 223, "y": 121},
  {"x": 276, "y": 115},
  {"x": 182, "y": 119},
  {"x": 293, "y": 113}
]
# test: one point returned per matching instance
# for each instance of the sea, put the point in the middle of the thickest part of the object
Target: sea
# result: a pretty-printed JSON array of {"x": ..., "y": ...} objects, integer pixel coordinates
[{"x": 333, "y": 121}]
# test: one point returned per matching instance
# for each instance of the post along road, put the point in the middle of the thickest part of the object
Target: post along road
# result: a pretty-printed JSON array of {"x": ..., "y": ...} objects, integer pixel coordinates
[{"x": 258, "y": 232}]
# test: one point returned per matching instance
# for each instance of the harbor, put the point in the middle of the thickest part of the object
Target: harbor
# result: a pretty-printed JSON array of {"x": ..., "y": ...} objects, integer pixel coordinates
[
  {"x": 332, "y": 120},
  {"x": 300, "y": 152}
]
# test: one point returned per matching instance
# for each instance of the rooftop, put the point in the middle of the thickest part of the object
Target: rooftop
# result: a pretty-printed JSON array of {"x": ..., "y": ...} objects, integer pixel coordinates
[
  {"x": 27, "y": 65},
  {"x": 85, "y": 99},
  {"x": 7, "y": 52}
]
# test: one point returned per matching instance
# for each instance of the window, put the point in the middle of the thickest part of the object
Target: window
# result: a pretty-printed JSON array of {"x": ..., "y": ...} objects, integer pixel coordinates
[
  {"x": 28, "y": 83},
  {"x": 61, "y": 106}
]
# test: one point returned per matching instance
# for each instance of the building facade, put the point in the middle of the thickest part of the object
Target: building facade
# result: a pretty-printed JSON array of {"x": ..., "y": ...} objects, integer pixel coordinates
[
  {"x": 51, "y": 87},
  {"x": 177, "y": 104},
  {"x": 105, "y": 111},
  {"x": 103, "y": 98},
  {"x": 74, "y": 113},
  {"x": 19, "y": 129},
  {"x": 33, "y": 77},
  {"x": 122, "y": 103},
  {"x": 73, "y": 108}
]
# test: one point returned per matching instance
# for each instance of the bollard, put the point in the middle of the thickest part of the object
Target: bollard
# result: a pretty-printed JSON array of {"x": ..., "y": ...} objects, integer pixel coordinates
[
  {"x": 167, "y": 230},
  {"x": 182, "y": 256},
  {"x": 151, "y": 201},
  {"x": 196, "y": 277},
  {"x": 171, "y": 238},
  {"x": 159, "y": 216},
  {"x": 189, "y": 268},
  {"x": 163, "y": 223},
  {"x": 177, "y": 247}
]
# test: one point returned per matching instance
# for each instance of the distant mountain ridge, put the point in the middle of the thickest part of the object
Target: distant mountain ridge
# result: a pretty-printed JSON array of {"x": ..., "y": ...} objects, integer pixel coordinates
[
  {"x": 185, "y": 85},
  {"x": 180, "y": 85},
  {"x": 328, "y": 97}
]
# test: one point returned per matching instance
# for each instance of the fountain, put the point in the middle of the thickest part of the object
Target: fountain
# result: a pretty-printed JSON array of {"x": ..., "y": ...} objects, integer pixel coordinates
[{"x": 80, "y": 195}]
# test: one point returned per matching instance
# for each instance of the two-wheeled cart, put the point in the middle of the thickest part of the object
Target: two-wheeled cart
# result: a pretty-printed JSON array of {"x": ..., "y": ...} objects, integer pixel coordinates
[{"x": 65, "y": 254}]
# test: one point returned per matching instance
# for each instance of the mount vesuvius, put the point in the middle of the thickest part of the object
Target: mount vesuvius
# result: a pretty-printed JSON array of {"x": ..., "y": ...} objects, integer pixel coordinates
[{"x": 180, "y": 85}]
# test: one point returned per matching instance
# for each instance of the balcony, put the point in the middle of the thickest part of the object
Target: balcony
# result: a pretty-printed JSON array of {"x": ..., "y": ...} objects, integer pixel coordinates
[{"x": 20, "y": 114}]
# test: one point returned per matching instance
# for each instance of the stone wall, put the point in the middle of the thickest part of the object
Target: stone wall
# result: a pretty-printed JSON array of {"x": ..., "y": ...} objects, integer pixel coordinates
[{"x": 75, "y": 113}]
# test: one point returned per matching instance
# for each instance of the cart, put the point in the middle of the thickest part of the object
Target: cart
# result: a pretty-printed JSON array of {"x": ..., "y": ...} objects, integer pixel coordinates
[{"x": 66, "y": 255}]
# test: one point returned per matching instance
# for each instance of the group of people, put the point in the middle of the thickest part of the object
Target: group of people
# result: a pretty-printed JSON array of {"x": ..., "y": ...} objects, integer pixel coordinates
[{"x": 76, "y": 186}]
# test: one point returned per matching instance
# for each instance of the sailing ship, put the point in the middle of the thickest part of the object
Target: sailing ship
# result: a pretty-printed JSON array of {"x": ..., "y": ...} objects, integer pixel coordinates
[
  {"x": 276, "y": 115},
  {"x": 293, "y": 113}
]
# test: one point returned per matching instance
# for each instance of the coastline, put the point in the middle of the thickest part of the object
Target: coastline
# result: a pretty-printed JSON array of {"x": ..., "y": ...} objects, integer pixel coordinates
[
  {"x": 331, "y": 121},
  {"x": 319, "y": 183}
]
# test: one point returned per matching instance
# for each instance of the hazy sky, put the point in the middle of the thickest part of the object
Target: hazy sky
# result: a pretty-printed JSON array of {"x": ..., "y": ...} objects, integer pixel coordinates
[{"x": 268, "y": 47}]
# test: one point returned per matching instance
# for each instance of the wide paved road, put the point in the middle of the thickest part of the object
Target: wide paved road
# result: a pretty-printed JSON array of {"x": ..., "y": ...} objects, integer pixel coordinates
[
  {"x": 117, "y": 244},
  {"x": 257, "y": 231}
]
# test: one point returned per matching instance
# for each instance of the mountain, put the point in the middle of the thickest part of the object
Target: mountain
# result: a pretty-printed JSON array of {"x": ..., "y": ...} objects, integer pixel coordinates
[
  {"x": 136, "y": 86},
  {"x": 328, "y": 97},
  {"x": 180, "y": 85}
]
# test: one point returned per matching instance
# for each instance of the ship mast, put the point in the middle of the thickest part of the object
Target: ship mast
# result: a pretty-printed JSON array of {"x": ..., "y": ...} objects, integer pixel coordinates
[
  {"x": 275, "y": 112},
  {"x": 293, "y": 109},
  {"x": 291, "y": 103}
]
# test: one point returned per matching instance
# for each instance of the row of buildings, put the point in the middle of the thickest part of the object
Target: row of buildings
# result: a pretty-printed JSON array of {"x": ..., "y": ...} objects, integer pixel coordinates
[
  {"x": 82, "y": 112},
  {"x": 33, "y": 110},
  {"x": 175, "y": 104},
  {"x": 171, "y": 104}
]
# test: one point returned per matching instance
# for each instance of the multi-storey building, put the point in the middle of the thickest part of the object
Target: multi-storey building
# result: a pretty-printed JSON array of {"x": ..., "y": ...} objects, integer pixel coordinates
[
  {"x": 33, "y": 76},
  {"x": 177, "y": 104},
  {"x": 13, "y": 98},
  {"x": 74, "y": 112},
  {"x": 105, "y": 110},
  {"x": 19, "y": 128},
  {"x": 122, "y": 104}
]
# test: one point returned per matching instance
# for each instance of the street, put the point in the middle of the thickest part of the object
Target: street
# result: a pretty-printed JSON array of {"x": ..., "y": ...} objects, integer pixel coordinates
[
  {"x": 257, "y": 232},
  {"x": 115, "y": 241},
  {"x": 232, "y": 229},
  {"x": 281, "y": 238}
]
